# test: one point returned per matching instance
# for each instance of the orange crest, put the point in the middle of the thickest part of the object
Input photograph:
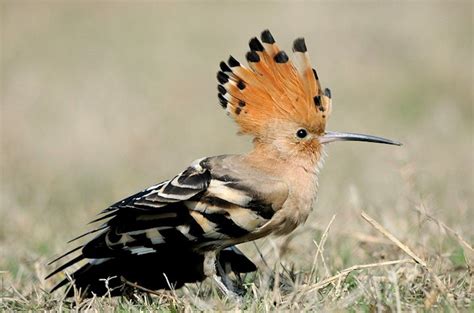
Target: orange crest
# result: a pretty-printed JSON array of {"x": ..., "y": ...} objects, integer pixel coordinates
[{"x": 273, "y": 88}]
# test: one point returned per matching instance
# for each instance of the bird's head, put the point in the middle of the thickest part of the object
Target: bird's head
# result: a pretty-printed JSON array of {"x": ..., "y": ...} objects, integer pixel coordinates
[{"x": 280, "y": 102}]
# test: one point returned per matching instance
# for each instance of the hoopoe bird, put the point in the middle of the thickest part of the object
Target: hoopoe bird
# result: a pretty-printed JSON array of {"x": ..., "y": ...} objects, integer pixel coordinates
[{"x": 185, "y": 229}]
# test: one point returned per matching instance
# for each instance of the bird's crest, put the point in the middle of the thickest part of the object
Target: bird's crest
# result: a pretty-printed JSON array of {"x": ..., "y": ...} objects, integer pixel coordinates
[{"x": 273, "y": 88}]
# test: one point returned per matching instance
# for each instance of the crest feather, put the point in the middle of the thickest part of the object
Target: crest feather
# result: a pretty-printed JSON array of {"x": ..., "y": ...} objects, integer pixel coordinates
[{"x": 273, "y": 88}]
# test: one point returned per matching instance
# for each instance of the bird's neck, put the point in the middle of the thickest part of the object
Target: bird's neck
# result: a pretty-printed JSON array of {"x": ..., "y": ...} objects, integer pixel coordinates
[
  {"x": 269, "y": 159},
  {"x": 301, "y": 175}
]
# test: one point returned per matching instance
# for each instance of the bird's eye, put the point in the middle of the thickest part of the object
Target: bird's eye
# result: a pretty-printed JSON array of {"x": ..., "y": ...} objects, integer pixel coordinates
[{"x": 301, "y": 133}]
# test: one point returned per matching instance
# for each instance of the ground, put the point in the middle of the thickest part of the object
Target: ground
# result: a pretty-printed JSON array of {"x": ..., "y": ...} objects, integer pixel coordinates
[{"x": 99, "y": 100}]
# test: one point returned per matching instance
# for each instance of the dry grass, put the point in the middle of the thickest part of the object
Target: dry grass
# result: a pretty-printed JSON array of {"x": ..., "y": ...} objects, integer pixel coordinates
[{"x": 99, "y": 100}]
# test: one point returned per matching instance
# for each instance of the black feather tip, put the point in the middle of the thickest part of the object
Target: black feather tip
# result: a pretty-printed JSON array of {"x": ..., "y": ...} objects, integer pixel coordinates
[
  {"x": 222, "y": 77},
  {"x": 241, "y": 85},
  {"x": 299, "y": 45},
  {"x": 315, "y": 74},
  {"x": 267, "y": 37},
  {"x": 224, "y": 67},
  {"x": 233, "y": 62},
  {"x": 327, "y": 93},
  {"x": 222, "y": 100},
  {"x": 252, "y": 56},
  {"x": 255, "y": 44},
  {"x": 281, "y": 57},
  {"x": 221, "y": 89},
  {"x": 317, "y": 101}
]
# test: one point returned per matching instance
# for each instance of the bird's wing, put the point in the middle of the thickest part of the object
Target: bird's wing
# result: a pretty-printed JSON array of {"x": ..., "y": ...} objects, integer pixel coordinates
[
  {"x": 211, "y": 204},
  {"x": 138, "y": 223},
  {"x": 238, "y": 202}
]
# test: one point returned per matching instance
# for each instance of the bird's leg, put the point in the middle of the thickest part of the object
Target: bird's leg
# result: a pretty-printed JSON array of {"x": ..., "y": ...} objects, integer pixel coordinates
[
  {"x": 236, "y": 287},
  {"x": 223, "y": 288},
  {"x": 211, "y": 264},
  {"x": 224, "y": 277}
]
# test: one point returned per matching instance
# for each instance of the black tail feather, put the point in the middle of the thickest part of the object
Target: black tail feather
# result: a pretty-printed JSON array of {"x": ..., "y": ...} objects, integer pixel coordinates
[
  {"x": 146, "y": 270},
  {"x": 103, "y": 217},
  {"x": 66, "y": 265},
  {"x": 88, "y": 233},
  {"x": 168, "y": 268},
  {"x": 65, "y": 254}
]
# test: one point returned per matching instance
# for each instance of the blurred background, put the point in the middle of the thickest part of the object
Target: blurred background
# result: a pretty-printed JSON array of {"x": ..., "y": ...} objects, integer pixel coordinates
[{"x": 101, "y": 99}]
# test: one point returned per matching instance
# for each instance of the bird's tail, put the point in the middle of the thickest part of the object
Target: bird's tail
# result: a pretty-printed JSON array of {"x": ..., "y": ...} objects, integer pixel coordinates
[{"x": 116, "y": 276}]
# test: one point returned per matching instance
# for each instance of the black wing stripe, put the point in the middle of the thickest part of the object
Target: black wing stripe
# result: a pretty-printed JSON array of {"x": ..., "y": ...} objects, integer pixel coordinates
[
  {"x": 137, "y": 226},
  {"x": 263, "y": 209},
  {"x": 194, "y": 228},
  {"x": 192, "y": 179},
  {"x": 129, "y": 199},
  {"x": 215, "y": 201},
  {"x": 225, "y": 225},
  {"x": 98, "y": 248},
  {"x": 175, "y": 236},
  {"x": 172, "y": 190},
  {"x": 171, "y": 215}
]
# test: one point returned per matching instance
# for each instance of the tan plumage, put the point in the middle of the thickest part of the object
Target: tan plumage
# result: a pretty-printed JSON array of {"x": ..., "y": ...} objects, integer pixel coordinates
[{"x": 186, "y": 228}]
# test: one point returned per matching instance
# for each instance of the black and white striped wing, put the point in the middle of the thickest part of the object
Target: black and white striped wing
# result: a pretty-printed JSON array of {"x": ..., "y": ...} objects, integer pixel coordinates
[
  {"x": 184, "y": 186},
  {"x": 143, "y": 222},
  {"x": 155, "y": 216}
]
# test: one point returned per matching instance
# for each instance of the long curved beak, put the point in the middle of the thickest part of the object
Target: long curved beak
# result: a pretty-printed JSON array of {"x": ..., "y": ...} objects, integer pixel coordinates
[{"x": 339, "y": 136}]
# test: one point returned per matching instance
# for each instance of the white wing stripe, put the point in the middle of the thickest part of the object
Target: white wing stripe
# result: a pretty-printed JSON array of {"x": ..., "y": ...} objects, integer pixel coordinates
[
  {"x": 138, "y": 232},
  {"x": 141, "y": 250},
  {"x": 218, "y": 189},
  {"x": 176, "y": 183},
  {"x": 173, "y": 196},
  {"x": 157, "y": 186}
]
